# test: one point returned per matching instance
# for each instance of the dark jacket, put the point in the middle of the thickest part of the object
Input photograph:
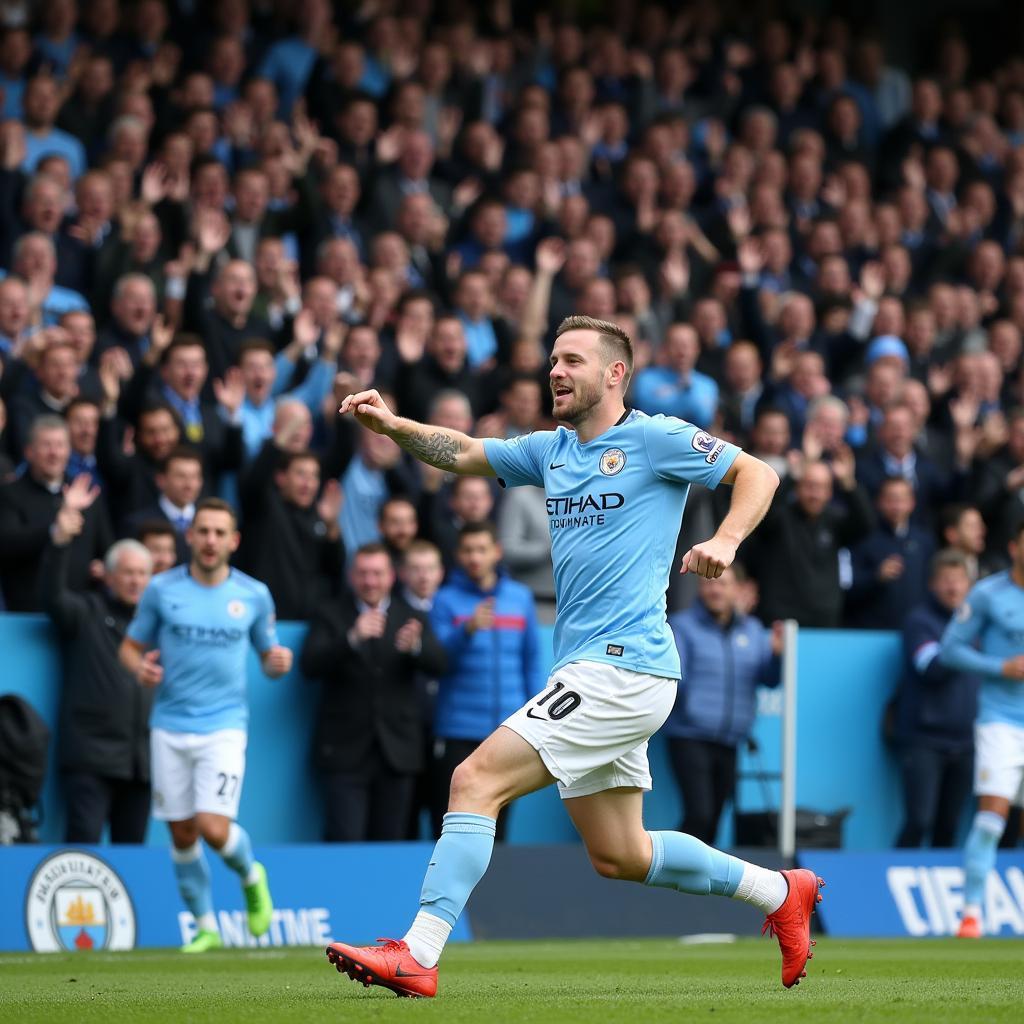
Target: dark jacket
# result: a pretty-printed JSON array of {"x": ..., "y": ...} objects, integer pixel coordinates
[
  {"x": 369, "y": 695},
  {"x": 132, "y": 524},
  {"x": 493, "y": 672},
  {"x": 931, "y": 486},
  {"x": 418, "y": 384},
  {"x": 1001, "y": 507},
  {"x": 388, "y": 195},
  {"x": 292, "y": 219},
  {"x": 129, "y": 479},
  {"x": 438, "y": 523},
  {"x": 876, "y": 604},
  {"x": 115, "y": 336},
  {"x": 221, "y": 338},
  {"x": 285, "y": 546},
  {"x": 218, "y": 441},
  {"x": 104, "y": 712},
  {"x": 722, "y": 667},
  {"x": 935, "y": 705},
  {"x": 23, "y": 409},
  {"x": 27, "y": 509},
  {"x": 798, "y": 557}
]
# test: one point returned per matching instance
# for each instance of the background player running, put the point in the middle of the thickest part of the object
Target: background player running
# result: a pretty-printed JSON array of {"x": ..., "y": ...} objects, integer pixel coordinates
[
  {"x": 992, "y": 618},
  {"x": 616, "y": 485},
  {"x": 190, "y": 638}
]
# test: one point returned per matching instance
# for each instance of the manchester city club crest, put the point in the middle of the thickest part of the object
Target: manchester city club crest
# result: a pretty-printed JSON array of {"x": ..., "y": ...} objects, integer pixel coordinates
[
  {"x": 612, "y": 461},
  {"x": 75, "y": 901},
  {"x": 236, "y": 609}
]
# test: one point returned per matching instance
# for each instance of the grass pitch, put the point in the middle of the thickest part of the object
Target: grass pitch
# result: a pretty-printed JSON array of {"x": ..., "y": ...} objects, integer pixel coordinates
[{"x": 606, "y": 982}]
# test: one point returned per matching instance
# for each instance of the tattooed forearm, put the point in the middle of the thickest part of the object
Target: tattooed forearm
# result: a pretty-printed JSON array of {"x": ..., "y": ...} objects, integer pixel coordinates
[{"x": 434, "y": 446}]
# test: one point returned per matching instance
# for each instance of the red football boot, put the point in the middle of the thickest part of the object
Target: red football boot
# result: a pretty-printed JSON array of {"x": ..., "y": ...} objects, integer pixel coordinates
[
  {"x": 791, "y": 924},
  {"x": 390, "y": 965}
]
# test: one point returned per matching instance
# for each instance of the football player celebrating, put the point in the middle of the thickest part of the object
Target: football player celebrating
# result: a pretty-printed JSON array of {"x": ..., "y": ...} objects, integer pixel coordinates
[{"x": 617, "y": 481}]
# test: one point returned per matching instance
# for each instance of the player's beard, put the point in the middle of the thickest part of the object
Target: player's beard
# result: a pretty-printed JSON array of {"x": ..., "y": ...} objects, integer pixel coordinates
[
  {"x": 585, "y": 398},
  {"x": 209, "y": 565}
]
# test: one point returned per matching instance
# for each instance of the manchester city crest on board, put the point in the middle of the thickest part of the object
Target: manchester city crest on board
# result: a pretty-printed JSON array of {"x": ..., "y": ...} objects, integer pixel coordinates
[
  {"x": 75, "y": 901},
  {"x": 612, "y": 461}
]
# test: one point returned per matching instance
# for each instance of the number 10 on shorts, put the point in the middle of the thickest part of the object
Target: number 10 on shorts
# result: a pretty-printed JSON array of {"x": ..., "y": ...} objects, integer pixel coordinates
[{"x": 565, "y": 702}]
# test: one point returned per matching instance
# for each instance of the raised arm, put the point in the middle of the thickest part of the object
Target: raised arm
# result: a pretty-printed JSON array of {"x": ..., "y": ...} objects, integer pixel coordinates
[
  {"x": 436, "y": 446},
  {"x": 753, "y": 486}
]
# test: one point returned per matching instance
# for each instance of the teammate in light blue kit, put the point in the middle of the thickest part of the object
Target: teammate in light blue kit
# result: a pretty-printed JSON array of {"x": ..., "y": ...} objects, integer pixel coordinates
[
  {"x": 616, "y": 485},
  {"x": 986, "y": 636},
  {"x": 190, "y": 638}
]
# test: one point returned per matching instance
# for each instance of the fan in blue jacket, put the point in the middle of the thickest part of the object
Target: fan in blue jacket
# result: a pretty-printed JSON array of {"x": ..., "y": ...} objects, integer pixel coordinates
[
  {"x": 487, "y": 624},
  {"x": 725, "y": 655}
]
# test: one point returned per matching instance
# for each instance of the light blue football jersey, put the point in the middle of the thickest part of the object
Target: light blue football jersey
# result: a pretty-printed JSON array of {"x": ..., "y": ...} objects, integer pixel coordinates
[
  {"x": 203, "y": 634},
  {"x": 988, "y": 629},
  {"x": 615, "y": 505}
]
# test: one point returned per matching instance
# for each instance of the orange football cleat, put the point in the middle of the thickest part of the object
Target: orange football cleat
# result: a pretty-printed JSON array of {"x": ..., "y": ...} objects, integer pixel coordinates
[
  {"x": 390, "y": 965},
  {"x": 970, "y": 928},
  {"x": 791, "y": 923}
]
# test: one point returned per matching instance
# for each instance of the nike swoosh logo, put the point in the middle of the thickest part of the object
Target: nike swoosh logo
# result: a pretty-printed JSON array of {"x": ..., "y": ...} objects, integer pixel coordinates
[
  {"x": 399, "y": 973},
  {"x": 530, "y": 714},
  {"x": 553, "y": 466}
]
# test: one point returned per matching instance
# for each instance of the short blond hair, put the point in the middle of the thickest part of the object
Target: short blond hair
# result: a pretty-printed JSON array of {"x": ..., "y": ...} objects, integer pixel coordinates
[{"x": 613, "y": 338}]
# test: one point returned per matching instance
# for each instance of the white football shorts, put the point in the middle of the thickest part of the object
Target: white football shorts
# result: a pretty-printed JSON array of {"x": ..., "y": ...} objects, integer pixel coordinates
[
  {"x": 195, "y": 772},
  {"x": 592, "y": 723},
  {"x": 999, "y": 761}
]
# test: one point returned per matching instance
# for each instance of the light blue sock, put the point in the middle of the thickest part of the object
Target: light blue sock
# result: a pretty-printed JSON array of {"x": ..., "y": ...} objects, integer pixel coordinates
[
  {"x": 237, "y": 851},
  {"x": 980, "y": 855},
  {"x": 193, "y": 874},
  {"x": 684, "y": 863},
  {"x": 458, "y": 862}
]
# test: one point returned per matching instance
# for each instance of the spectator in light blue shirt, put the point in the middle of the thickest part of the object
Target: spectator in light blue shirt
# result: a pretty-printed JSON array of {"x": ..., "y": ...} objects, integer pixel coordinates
[
  {"x": 365, "y": 488},
  {"x": 41, "y": 105},
  {"x": 34, "y": 260},
  {"x": 226, "y": 65},
  {"x": 15, "y": 53},
  {"x": 267, "y": 404},
  {"x": 58, "y": 41},
  {"x": 266, "y": 377},
  {"x": 676, "y": 388},
  {"x": 889, "y": 86},
  {"x": 288, "y": 63},
  {"x": 473, "y": 304}
]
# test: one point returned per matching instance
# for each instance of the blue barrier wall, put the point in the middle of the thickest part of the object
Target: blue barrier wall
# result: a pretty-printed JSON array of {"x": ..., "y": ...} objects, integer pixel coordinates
[
  {"x": 133, "y": 897},
  {"x": 913, "y": 893},
  {"x": 120, "y": 897},
  {"x": 845, "y": 680}
]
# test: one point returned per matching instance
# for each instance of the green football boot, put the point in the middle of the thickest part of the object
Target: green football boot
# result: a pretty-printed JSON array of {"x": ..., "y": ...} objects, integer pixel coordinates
[
  {"x": 203, "y": 942},
  {"x": 258, "y": 902}
]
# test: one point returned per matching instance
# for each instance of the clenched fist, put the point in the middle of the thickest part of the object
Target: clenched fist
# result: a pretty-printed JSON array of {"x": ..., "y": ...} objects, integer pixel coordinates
[
  {"x": 277, "y": 661},
  {"x": 709, "y": 559}
]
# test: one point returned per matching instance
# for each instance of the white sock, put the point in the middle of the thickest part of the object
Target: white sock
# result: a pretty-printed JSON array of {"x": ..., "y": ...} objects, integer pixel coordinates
[
  {"x": 972, "y": 910},
  {"x": 426, "y": 938},
  {"x": 762, "y": 888},
  {"x": 254, "y": 875},
  {"x": 207, "y": 922}
]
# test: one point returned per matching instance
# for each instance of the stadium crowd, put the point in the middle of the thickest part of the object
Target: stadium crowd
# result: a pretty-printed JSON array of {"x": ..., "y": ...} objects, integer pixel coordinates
[{"x": 216, "y": 220}]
